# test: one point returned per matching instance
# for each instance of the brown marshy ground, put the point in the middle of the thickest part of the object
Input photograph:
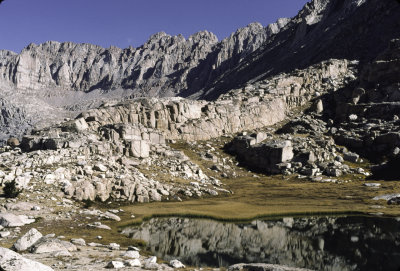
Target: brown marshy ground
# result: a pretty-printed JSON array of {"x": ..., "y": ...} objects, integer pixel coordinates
[{"x": 258, "y": 195}]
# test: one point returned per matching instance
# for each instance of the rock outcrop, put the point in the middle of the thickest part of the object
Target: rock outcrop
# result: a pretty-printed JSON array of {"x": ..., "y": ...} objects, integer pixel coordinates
[{"x": 368, "y": 113}]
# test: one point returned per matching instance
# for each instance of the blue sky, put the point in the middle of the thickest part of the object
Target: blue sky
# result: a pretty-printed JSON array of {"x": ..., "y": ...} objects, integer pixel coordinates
[{"x": 130, "y": 22}]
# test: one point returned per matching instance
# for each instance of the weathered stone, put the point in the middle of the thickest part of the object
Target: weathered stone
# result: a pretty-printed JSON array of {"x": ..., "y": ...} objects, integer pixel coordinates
[
  {"x": 351, "y": 157},
  {"x": 133, "y": 263},
  {"x": 100, "y": 167},
  {"x": 333, "y": 172},
  {"x": 78, "y": 242},
  {"x": 387, "y": 197},
  {"x": 76, "y": 125},
  {"x": 264, "y": 157},
  {"x": 13, "y": 142},
  {"x": 12, "y": 261},
  {"x": 176, "y": 264},
  {"x": 27, "y": 240},
  {"x": 111, "y": 216},
  {"x": 139, "y": 149},
  {"x": 115, "y": 265},
  {"x": 51, "y": 245},
  {"x": 11, "y": 220},
  {"x": 4, "y": 234},
  {"x": 131, "y": 254},
  {"x": 372, "y": 184},
  {"x": 113, "y": 246},
  {"x": 151, "y": 263}
]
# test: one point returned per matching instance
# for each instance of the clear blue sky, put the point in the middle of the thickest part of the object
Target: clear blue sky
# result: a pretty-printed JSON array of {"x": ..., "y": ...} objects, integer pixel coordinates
[{"x": 130, "y": 22}]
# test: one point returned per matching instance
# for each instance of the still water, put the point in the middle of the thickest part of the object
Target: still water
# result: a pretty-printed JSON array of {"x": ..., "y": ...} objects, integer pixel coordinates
[{"x": 320, "y": 243}]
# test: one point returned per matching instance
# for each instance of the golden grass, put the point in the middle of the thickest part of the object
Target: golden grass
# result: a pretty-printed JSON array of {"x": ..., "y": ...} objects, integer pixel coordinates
[
  {"x": 263, "y": 197},
  {"x": 267, "y": 196}
]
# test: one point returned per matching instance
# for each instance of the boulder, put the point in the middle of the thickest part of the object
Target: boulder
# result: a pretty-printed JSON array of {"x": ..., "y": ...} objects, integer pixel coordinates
[
  {"x": 111, "y": 216},
  {"x": 27, "y": 240},
  {"x": 151, "y": 263},
  {"x": 133, "y": 263},
  {"x": 4, "y": 234},
  {"x": 115, "y": 265},
  {"x": 132, "y": 254},
  {"x": 100, "y": 167},
  {"x": 78, "y": 242},
  {"x": 51, "y": 245},
  {"x": 19, "y": 206},
  {"x": 351, "y": 157},
  {"x": 11, "y": 220},
  {"x": 77, "y": 125},
  {"x": 13, "y": 142},
  {"x": 12, "y": 261},
  {"x": 176, "y": 264},
  {"x": 139, "y": 148},
  {"x": 387, "y": 197},
  {"x": 264, "y": 157}
]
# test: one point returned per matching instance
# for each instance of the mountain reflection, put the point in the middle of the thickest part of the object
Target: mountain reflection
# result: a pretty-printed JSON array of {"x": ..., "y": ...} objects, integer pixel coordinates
[{"x": 320, "y": 243}]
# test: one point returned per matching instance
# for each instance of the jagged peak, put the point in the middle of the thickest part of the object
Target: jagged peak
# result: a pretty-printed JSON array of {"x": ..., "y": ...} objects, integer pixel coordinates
[
  {"x": 202, "y": 35},
  {"x": 314, "y": 11},
  {"x": 252, "y": 27},
  {"x": 274, "y": 28},
  {"x": 157, "y": 37}
]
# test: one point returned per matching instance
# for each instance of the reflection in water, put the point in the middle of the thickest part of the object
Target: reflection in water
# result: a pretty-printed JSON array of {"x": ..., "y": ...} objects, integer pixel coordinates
[{"x": 321, "y": 243}]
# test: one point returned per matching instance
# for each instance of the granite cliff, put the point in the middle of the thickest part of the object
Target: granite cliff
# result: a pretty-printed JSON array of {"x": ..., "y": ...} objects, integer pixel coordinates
[{"x": 199, "y": 66}]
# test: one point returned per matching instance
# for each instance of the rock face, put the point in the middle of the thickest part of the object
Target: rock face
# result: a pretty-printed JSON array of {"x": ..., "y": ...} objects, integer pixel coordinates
[
  {"x": 367, "y": 113},
  {"x": 254, "y": 106},
  {"x": 319, "y": 32},
  {"x": 162, "y": 66},
  {"x": 106, "y": 145},
  {"x": 36, "y": 84}
]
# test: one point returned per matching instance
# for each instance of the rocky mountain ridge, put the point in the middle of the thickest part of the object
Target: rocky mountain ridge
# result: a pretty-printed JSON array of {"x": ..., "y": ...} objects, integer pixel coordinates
[
  {"x": 172, "y": 65},
  {"x": 345, "y": 29},
  {"x": 196, "y": 67},
  {"x": 160, "y": 67}
]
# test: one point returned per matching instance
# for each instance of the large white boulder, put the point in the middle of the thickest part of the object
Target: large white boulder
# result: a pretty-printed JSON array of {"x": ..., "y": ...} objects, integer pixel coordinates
[
  {"x": 27, "y": 240},
  {"x": 12, "y": 261},
  {"x": 11, "y": 220}
]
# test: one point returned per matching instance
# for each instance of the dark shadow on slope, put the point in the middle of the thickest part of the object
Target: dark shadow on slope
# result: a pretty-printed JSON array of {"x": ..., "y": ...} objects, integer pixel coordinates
[{"x": 361, "y": 35}]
